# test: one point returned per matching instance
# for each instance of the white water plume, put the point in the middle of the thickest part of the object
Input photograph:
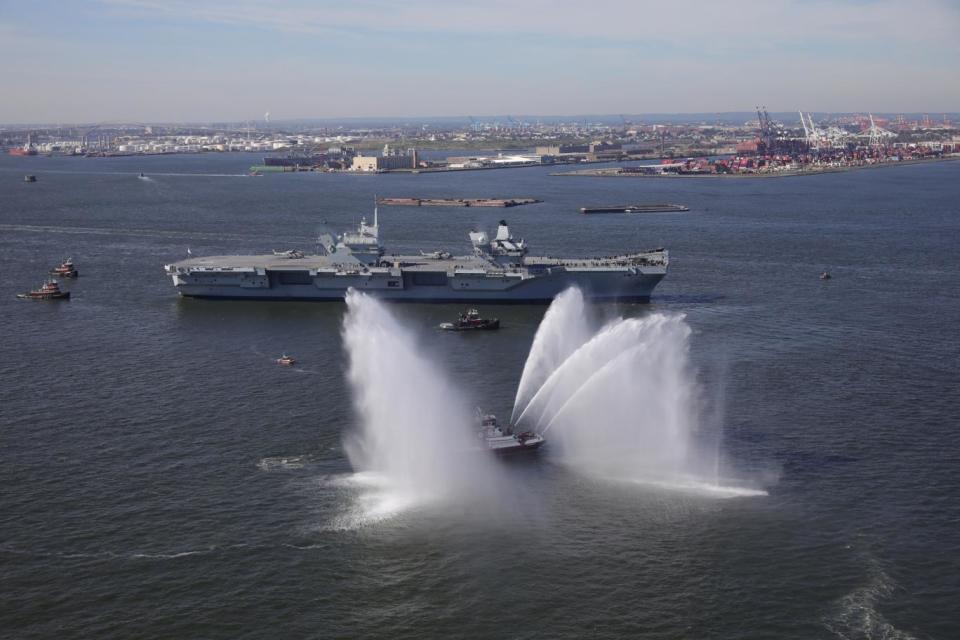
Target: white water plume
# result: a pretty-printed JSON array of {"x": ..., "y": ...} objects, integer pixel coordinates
[
  {"x": 415, "y": 442},
  {"x": 624, "y": 403},
  {"x": 563, "y": 329}
]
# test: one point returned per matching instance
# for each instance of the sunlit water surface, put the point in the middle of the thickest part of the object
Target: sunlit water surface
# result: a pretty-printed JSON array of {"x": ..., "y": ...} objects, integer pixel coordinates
[{"x": 163, "y": 477}]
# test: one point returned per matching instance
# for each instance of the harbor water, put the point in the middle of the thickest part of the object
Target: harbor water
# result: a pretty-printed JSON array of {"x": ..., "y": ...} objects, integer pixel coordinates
[{"x": 163, "y": 477}]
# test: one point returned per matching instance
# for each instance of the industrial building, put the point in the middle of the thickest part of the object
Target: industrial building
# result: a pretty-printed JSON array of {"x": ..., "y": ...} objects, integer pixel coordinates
[{"x": 387, "y": 161}]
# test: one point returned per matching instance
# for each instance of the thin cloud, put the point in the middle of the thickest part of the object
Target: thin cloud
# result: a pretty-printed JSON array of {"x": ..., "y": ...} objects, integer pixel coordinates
[{"x": 779, "y": 21}]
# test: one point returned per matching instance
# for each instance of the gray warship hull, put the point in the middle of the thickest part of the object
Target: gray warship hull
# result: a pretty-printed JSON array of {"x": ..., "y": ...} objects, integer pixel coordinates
[
  {"x": 272, "y": 285},
  {"x": 499, "y": 271}
]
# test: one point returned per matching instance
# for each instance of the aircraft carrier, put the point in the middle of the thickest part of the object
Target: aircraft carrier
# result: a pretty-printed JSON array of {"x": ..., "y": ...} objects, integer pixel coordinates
[{"x": 498, "y": 271}]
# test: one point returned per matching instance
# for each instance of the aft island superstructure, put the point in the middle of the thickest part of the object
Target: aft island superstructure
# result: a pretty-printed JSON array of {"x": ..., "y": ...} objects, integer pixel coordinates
[{"x": 498, "y": 270}]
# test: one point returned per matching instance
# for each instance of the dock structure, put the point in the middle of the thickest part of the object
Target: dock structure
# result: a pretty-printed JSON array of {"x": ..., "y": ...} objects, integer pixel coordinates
[{"x": 456, "y": 202}]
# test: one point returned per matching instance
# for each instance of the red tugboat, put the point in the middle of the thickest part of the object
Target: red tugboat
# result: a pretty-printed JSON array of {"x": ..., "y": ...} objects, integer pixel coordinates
[
  {"x": 65, "y": 270},
  {"x": 470, "y": 320},
  {"x": 49, "y": 291},
  {"x": 286, "y": 361}
]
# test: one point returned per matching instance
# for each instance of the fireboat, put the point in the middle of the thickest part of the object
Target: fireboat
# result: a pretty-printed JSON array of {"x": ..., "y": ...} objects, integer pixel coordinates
[
  {"x": 49, "y": 291},
  {"x": 506, "y": 442}
]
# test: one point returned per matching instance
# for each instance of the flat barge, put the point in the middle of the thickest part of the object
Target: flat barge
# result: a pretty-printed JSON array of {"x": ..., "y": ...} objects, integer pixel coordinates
[
  {"x": 636, "y": 208},
  {"x": 457, "y": 202}
]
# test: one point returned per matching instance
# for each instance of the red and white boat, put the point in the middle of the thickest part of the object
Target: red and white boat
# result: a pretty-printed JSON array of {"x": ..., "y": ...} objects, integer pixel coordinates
[
  {"x": 49, "y": 291},
  {"x": 66, "y": 269},
  {"x": 286, "y": 361}
]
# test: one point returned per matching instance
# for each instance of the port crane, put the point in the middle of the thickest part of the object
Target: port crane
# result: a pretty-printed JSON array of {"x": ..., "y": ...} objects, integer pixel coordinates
[
  {"x": 803, "y": 123},
  {"x": 810, "y": 134},
  {"x": 774, "y": 138},
  {"x": 766, "y": 128},
  {"x": 877, "y": 134}
]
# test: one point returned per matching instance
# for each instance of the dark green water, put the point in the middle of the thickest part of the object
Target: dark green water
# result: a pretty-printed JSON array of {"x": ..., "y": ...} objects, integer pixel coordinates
[{"x": 133, "y": 423}]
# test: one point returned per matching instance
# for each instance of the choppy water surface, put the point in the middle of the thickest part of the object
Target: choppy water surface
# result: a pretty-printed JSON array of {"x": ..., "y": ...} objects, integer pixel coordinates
[{"x": 163, "y": 477}]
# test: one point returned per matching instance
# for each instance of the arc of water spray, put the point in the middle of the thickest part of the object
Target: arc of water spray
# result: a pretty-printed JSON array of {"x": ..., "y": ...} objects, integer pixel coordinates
[
  {"x": 588, "y": 382},
  {"x": 564, "y": 328},
  {"x": 557, "y": 373}
]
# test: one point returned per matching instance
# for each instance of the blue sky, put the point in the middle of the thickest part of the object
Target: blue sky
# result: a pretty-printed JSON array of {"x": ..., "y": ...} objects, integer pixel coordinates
[{"x": 182, "y": 60}]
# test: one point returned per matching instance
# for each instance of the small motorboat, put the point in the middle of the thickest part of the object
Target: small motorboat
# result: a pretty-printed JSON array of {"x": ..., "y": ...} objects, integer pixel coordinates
[
  {"x": 470, "y": 320},
  {"x": 30, "y": 178},
  {"x": 49, "y": 291},
  {"x": 504, "y": 441},
  {"x": 283, "y": 462},
  {"x": 825, "y": 275},
  {"x": 142, "y": 176},
  {"x": 286, "y": 361},
  {"x": 66, "y": 269}
]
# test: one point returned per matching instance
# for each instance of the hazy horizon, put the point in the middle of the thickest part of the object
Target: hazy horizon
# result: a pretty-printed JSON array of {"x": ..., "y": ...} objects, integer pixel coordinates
[
  {"x": 637, "y": 119},
  {"x": 181, "y": 62}
]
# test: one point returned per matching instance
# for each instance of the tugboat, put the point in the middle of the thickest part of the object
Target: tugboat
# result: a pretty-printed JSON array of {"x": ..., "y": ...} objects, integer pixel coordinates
[
  {"x": 505, "y": 442},
  {"x": 470, "y": 320},
  {"x": 65, "y": 270},
  {"x": 49, "y": 291},
  {"x": 286, "y": 361}
]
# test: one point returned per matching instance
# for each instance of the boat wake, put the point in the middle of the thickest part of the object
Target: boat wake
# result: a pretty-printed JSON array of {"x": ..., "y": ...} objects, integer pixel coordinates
[
  {"x": 199, "y": 175},
  {"x": 283, "y": 463},
  {"x": 124, "y": 555},
  {"x": 144, "y": 233},
  {"x": 856, "y": 615}
]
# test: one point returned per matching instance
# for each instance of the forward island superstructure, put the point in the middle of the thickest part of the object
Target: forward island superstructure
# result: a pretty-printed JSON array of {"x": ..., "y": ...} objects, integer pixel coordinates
[{"x": 498, "y": 271}]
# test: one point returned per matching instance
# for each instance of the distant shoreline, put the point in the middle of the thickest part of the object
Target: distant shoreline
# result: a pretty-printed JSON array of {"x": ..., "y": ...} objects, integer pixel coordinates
[{"x": 614, "y": 172}]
